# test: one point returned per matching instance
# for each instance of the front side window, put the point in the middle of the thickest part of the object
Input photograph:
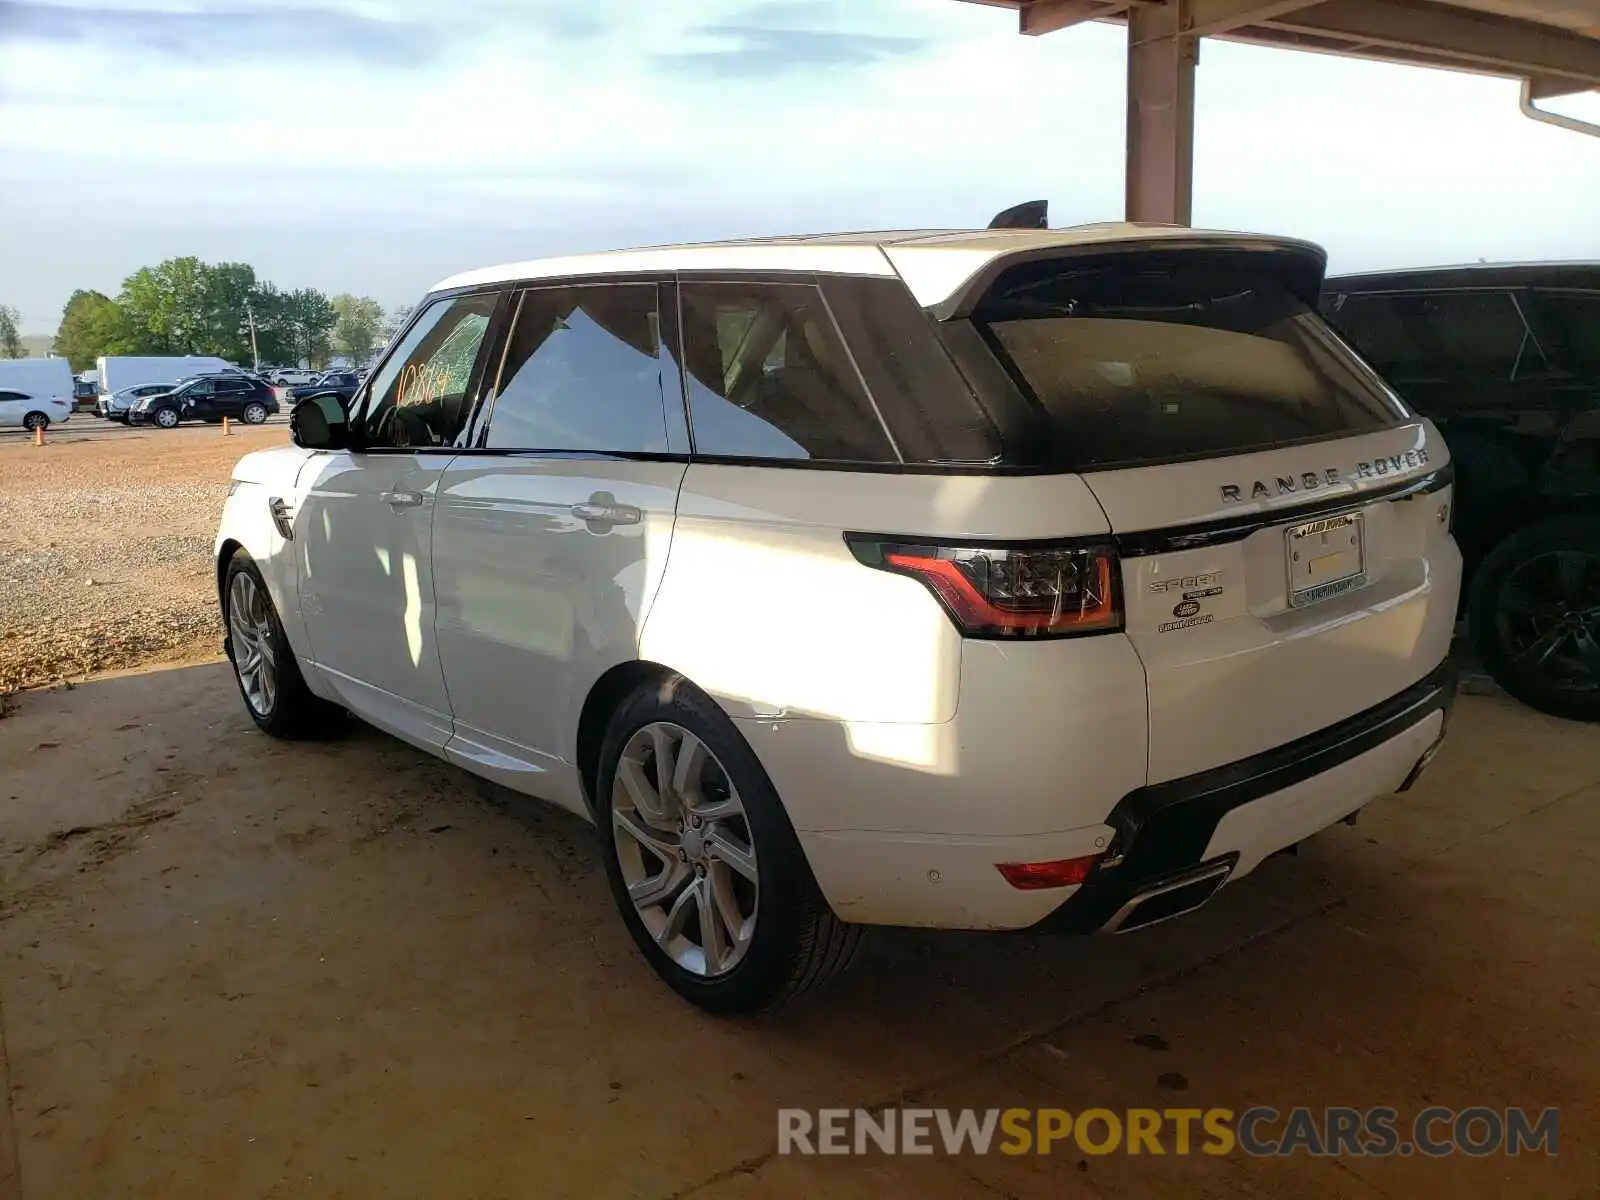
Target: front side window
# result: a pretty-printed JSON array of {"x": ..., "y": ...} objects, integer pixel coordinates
[
  {"x": 769, "y": 377},
  {"x": 420, "y": 396},
  {"x": 584, "y": 371},
  {"x": 1159, "y": 357},
  {"x": 4, "y": 396}
]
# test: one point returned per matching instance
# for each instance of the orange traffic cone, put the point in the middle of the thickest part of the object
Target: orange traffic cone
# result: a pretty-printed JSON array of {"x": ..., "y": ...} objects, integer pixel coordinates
[
  {"x": 38, "y": 435},
  {"x": 227, "y": 431}
]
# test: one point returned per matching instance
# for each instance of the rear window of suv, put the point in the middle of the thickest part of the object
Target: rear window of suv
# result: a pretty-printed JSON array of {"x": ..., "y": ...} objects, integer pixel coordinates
[{"x": 1161, "y": 357}]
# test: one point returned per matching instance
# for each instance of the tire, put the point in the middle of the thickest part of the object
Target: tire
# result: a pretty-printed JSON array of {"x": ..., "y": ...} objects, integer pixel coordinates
[
  {"x": 1534, "y": 612},
  {"x": 792, "y": 940},
  {"x": 286, "y": 708},
  {"x": 166, "y": 418},
  {"x": 35, "y": 420},
  {"x": 254, "y": 413}
]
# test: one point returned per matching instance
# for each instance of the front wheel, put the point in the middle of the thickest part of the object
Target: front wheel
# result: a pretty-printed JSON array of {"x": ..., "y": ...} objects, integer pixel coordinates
[
  {"x": 167, "y": 418},
  {"x": 1535, "y": 616},
  {"x": 274, "y": 691},
  {"x": 254, "y": 414},
  {"x": 34, "y": 421},
  {"x": 702, "y": 861}
]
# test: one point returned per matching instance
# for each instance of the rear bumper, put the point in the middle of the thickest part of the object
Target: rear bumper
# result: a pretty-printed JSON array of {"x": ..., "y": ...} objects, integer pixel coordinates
[
  {"x": 1167, "y": 848},
  {"x": 1177, "y": 842}
]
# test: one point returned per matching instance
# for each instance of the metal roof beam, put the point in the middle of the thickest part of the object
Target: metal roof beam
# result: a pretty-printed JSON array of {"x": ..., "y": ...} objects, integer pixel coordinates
[
  {"x": 1047, "y": 16},
  {"x": 1475, "y": 40},
  {"x": 1219, "y": 16}
]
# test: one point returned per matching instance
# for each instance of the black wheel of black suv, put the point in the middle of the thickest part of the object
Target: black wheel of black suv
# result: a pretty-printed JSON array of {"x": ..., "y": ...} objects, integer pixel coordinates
[{"x": 1535, "y": 616}]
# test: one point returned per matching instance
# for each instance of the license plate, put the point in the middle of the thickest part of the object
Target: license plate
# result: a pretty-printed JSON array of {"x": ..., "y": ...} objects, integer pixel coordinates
[{"x": 1326, "y": 558}]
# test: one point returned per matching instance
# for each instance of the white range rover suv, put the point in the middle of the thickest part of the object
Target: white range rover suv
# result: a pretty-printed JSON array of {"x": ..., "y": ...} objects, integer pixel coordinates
[{"x": 1004, "y": 579}]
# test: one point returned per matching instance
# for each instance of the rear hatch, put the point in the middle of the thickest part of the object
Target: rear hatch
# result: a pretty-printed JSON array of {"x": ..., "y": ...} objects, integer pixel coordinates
[{"x": 1280, "y": 517}]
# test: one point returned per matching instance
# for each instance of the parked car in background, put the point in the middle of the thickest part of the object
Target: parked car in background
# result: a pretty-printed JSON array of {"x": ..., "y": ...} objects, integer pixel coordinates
[
  {"x": 340, "y": 383},
  {"x": 290, "y": 376},
  {"x": 43, "y": 381},
  {"x": 32, "y": 411},
  {"x": 1009, "y": 579},
  {"x": 208, "y": 398},
  {"x": 1506, "y": 360},
  {"x": 121, "y": 371},
  {"x": 85, "y": 393},
  {"x": 115, "y": 407}
]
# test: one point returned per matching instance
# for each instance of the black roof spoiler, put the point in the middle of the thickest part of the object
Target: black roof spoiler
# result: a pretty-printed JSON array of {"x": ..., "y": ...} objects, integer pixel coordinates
[{"x": 1030, "y": 214}]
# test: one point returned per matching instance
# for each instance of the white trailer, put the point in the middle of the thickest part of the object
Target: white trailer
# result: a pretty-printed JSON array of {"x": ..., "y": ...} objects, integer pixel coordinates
[{"x": 122, "y": 371}]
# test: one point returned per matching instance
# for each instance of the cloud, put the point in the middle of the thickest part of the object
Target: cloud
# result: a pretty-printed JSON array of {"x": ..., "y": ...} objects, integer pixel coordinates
[
  {"x": 250, "y": 32},
  {"x": 749, "y": 51}
]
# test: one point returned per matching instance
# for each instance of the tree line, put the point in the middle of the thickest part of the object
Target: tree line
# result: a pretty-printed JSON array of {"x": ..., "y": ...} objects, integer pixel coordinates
[{"x": 185, "y": 306}]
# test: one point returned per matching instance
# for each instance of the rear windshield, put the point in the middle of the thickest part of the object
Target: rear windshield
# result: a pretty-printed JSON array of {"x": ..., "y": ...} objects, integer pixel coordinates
[{"x": 1161, "y": 357}]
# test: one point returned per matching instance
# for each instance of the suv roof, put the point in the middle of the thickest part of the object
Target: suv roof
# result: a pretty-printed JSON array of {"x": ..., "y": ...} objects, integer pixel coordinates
[
  {"x": 936, "y": 264},
  {"x": 1547, "y": 274}
]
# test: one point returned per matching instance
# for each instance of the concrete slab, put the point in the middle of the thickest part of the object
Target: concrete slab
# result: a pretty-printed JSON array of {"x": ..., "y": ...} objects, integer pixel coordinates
[{"x": 230, "y": 966}]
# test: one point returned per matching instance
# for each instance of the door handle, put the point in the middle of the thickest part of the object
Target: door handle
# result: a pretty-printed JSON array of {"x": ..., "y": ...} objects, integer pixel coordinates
[
  {"x": 596, "y": 512},
  {"x": 402, "y": 499}
]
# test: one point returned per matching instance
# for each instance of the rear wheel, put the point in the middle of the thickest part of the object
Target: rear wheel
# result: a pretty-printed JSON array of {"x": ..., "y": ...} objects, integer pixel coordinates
[
  {"x": 35, "y": 420},
  {"x": 167, "y": 418},
  {"x": 254, "y": 413},
  {"x": 1535, "y": 616},
  {"x": 275, "y": 693},
  {"x": 703, "y": 863}
]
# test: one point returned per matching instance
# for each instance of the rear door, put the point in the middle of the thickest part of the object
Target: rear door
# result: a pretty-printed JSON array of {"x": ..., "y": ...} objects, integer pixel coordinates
[
  {"x": 1280, "y": 516},
  {"x": 551, "y": 533},
  {"x": 229, "y": 398}
]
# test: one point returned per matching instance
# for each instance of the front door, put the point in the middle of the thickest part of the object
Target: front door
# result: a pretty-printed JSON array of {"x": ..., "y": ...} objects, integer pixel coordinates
[
  {"x": 550, "y": 539},
  {"x": 196, "y": 401},
  {"x": 365, "y": 521}
]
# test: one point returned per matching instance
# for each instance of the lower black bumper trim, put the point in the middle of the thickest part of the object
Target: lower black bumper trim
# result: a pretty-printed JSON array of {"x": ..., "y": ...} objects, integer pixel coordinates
[{"x": 1163, "y": 829}]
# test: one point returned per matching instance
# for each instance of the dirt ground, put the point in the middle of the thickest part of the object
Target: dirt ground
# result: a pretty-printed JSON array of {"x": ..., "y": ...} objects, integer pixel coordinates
[
  {"x": 235, "y": 967},
  {"x": 105, "y": 546}
]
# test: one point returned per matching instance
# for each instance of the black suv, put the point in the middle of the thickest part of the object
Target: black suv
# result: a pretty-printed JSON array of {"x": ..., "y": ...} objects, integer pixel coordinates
[
  {"x": 208, "y": 398},
  {"x": 335, "y": 383},
  {"x": 1506, "y": 361}
]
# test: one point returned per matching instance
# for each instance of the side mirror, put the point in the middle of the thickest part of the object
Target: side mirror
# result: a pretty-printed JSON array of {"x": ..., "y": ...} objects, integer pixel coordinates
[{"x": 320, "y": 423}]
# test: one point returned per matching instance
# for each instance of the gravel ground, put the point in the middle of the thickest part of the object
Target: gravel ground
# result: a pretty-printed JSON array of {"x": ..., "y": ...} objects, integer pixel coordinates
[{"x": 105, "y": 550}]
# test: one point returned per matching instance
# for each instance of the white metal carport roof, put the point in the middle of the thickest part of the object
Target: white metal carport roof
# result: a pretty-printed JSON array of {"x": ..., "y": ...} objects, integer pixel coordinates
[{"x": 1553, "y": 46}]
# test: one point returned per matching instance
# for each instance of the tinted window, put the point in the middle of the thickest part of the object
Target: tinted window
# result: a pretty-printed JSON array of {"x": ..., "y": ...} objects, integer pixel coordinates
[
  {"x": 1376, "y": 327},
  {"x": 420, "y": 396},
  {"x": 769, "y": 377},
  {"x": 1572, "y": 323},
  {"x": 233, "y": 385},
  {"x": 203, "y": 388},
  {"x": 1160, "y": 357},
  {"x": 584, "y": 370},
  {"x": 4, "y": 395},
  {"x": 1429, "y": 337}
]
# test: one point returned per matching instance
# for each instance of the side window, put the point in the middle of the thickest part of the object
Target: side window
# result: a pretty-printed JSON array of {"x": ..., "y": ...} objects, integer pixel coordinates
[
  {"x": 1572, "y": 320},
  {"x": 196, "y": 390},
  {"x": 420, "y": 396},
  {"x": 7, "y": 395},
  {"x": 769, "y": 377},
  {"x": 1375, "y": 326},
  {"x": 1481, "y": 335},
  {"x": 233, "y": 386},
  {"x": 584, "y": 370}
]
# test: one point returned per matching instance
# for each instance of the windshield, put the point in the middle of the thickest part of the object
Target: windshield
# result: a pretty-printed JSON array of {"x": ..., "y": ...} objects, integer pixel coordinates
[{"x": 1168, "y": 356}]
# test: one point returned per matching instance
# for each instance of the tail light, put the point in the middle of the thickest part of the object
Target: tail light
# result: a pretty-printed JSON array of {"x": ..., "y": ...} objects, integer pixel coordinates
[{"x": 1020, "y": 591}]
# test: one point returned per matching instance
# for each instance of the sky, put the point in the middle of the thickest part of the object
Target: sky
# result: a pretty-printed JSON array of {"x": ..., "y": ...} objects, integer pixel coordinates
[{"x": 376, "y": 146}]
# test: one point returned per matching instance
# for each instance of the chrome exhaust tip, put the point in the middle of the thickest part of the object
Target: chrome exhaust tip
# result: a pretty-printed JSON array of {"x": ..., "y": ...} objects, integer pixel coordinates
[{"x": 1173, "y": 898}]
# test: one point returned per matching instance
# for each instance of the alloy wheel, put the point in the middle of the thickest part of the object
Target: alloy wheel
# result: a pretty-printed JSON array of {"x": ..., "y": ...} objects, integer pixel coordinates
[
  {"x": 685, "y": 847},
  {"x": 254, "y": 414},
  {"x": 35, "y": 421},
  {"x": 166, "y": 418},
  {"x": 1548, "y": 619},
  {"x": 250, "y": 629}
]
